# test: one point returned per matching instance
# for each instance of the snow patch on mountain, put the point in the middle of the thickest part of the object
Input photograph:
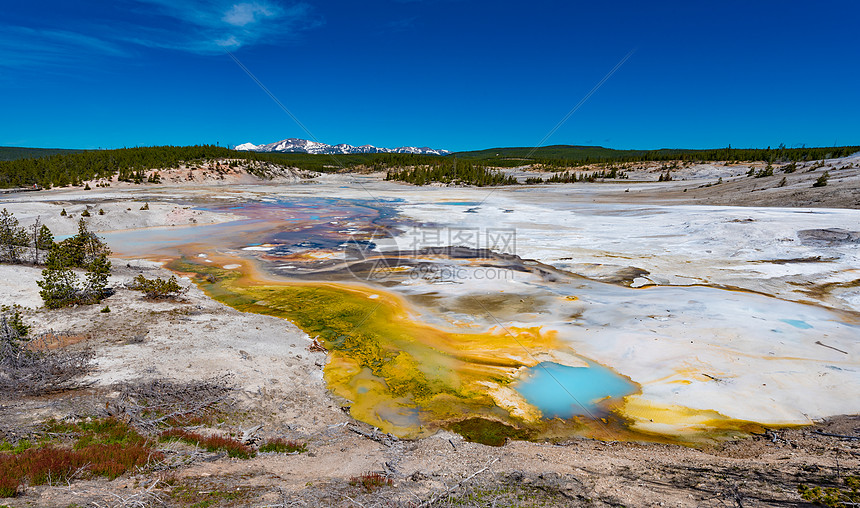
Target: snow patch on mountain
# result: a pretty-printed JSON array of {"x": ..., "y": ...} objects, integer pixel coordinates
[{"x": 296, "y": 145}]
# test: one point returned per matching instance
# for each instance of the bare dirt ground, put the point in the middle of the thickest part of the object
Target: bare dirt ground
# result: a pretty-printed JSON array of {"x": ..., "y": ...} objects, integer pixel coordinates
[
  {"x": 211, "y": 172},
  {"x": 728, "y": 184},
  {"x": 277, "y": 383},
  {"x": 797, "y": 190}
]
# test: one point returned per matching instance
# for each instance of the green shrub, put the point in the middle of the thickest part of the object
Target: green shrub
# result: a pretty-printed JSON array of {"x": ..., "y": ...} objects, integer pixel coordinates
[
  {"x": 11, "y": 317},
  {"x": 765, "y": 172},
  {"x": 822, "y": 180},
  {"x": 157, "y": 288},
  {"x": 281, "y": 445},
  {"x": 832, "y": 496}
]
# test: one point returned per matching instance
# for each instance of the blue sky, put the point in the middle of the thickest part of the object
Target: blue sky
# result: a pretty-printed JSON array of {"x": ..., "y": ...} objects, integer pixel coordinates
[{"x": 451, "y": 74}]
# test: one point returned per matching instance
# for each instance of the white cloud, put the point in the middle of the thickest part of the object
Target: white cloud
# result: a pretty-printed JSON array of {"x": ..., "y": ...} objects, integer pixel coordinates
[
  {"x": 23, "y": 47},
  {"x": 246, "y": 13},
  {"x": 229, "y": 43},
  {"x": 211, "y": 26},
  {"x": 195, "y": 26}
]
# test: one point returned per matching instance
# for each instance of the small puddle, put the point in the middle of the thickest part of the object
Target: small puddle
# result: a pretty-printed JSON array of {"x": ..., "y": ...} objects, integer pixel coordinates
[
  {"x": 561, "y": 391},
  {"x": 460, "y": 203},
  {"x": 803, "y": 325}
]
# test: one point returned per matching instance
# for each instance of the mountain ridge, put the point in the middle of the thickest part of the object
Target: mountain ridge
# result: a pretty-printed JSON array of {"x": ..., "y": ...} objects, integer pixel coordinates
[{"x": 297, "y": 145}]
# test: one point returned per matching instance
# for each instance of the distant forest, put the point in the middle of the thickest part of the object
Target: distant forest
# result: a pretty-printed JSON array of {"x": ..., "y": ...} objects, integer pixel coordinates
[
  {"x": 25, "y": 167},
  {"x": 450, "y": 170},
  {"x": 62, "y": 169},
  {"x": 10, "y": 153},
  {"x": 569, "y": 156}
]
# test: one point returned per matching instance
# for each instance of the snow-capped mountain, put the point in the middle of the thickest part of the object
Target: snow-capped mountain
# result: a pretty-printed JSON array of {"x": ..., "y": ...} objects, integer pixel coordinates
[{"x": 295, "y": 145}]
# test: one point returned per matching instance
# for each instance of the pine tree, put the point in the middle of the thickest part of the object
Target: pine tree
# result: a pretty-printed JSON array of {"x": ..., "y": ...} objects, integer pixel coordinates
[
  {"x": 12, "y": 237},
  {"x": 97, "y": 279},
  {"x": 46, "y": 238},
  {"x": 822, "y": 180},
  {"x": 59, "y": 287}
]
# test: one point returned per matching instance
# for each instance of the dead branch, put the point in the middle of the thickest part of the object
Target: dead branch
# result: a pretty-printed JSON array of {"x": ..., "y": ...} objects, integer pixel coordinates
[
  {"x": 447, "y": 491},
  {"x": 250, "y": 436},
  {"x": 148, "y": 404},
  {"x": 830, "y": 347},
  {"x": 37, "y": 371},
  {"x": 316, "y": 347},
  {"x": 379, "y": 437},
  {"x": 840, "y": 436}
]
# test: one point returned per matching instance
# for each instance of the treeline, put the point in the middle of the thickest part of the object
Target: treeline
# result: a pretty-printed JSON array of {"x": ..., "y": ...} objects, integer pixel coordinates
[
  {"x": 131, "y": 164},
  {"x": 72, "y": 169},
  {"x": 10, "y": 153},
  {"x": 568, "y": 156},
  {"x": 451, "y": 171},
  {"x": 573, "y": 177},
  {"x": 771, "y": 155},
  {"x": 326, "y": 163}
]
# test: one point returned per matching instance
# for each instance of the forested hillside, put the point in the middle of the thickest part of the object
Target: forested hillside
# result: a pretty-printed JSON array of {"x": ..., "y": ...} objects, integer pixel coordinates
[
  {"x": 10, "y": 153},
  {"x": 64, "y": 169},
  {"x": 71, "y": 169},
  {"x": 44, "y": 168},
  {"x": 567, "y": 156},
  {"x": 450, "y": 170}
]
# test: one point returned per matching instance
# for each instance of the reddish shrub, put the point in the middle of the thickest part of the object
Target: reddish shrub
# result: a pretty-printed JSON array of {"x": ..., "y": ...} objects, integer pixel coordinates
[
  {"x": 370, "y": 481},
  {"x": 52, "y": 464},
  {"x": 281, "y": 445},
  {"x": 8, "y": 484},
  {"x": 113, "y": 460},
  {"x": 210, "y": 443},
  {"x": 47, "y": 465}
]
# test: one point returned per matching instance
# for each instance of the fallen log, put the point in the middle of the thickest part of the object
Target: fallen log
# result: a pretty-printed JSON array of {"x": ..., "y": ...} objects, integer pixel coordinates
[{"x": 840, "y": 436}]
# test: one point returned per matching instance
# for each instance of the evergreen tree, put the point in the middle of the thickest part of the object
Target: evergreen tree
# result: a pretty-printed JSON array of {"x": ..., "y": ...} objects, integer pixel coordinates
[
  {"x": 59, "y": 287},
  {"x": 97, "y": 279},
  {"x": 822, "y": 180},
  {"x": 12, "y": 237}
]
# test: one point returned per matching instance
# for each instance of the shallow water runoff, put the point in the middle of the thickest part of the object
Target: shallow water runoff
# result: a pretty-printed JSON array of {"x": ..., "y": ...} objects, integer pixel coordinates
[{"x": 421, "y": 338}]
